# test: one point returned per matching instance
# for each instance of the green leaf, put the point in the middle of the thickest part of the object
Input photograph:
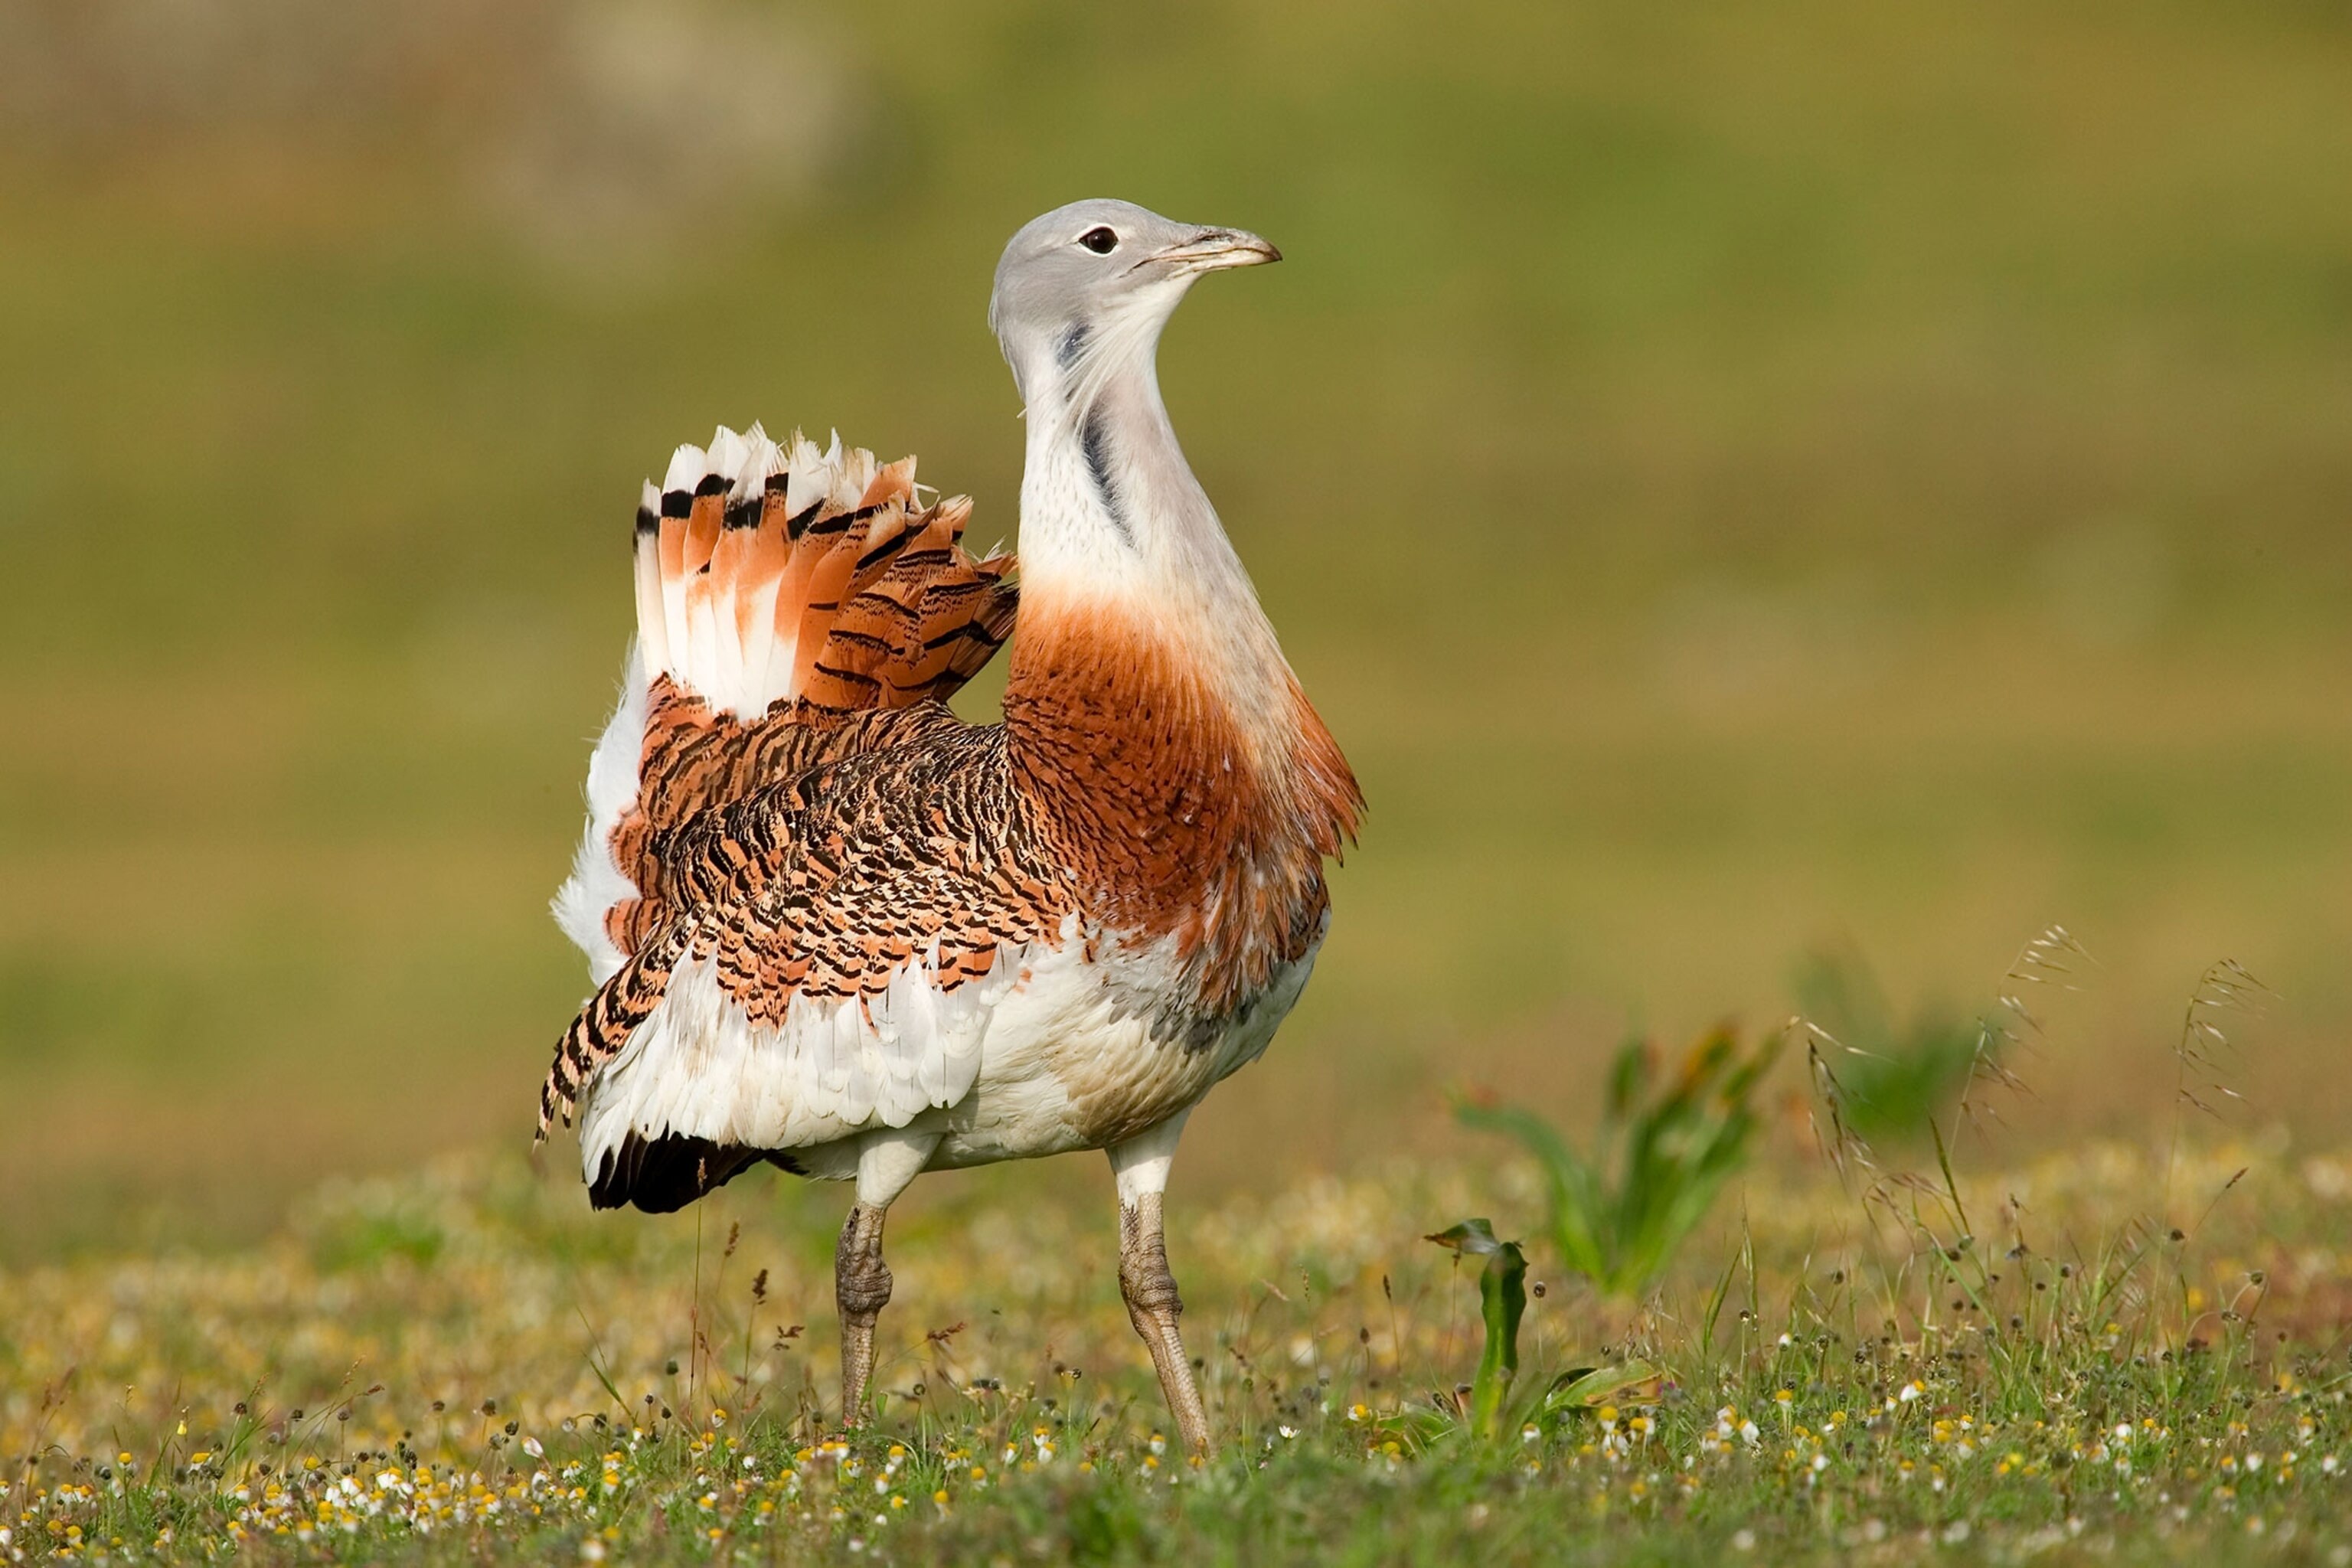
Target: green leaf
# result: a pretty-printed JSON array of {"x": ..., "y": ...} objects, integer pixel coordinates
[
  {"x": 1664, "y": 1155},
  {"x": 1579, "y": 1220},
  {"x": 1626, "y": 1075},
  {"x": 1502, "y": 1302},
  {"x": 1633, "y": 1382}
]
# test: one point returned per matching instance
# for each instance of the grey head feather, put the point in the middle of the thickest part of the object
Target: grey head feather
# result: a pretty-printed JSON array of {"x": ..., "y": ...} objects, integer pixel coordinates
[
  {"x": 1081, "y": 296},
  {"x": 1083, "y": 290}
]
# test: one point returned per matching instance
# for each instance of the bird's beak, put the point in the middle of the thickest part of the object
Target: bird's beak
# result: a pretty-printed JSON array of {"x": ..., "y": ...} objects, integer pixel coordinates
[{"x": 1215, "y": 250}]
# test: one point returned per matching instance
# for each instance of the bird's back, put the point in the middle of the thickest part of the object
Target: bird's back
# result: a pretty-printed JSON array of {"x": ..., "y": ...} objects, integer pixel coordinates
[
  {"x": 793, "y": 879},
  {"x": 791, "y": 604}
]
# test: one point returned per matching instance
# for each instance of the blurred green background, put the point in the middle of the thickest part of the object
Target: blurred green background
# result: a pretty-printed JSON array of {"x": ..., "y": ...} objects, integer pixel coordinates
[{"x": 1736, "y": 479}]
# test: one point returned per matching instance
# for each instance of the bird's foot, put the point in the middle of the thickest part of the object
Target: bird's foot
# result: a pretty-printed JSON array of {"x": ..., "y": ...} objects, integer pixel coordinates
[
  {"x": 1153, "y": 1306},
  {"x": 861, "y": 1288}
]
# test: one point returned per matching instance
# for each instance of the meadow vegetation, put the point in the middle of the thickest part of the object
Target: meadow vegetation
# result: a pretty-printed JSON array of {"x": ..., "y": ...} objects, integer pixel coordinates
[
  {"x": 1736, "y": 480},
  {"x": 1663, "y": 1152},
  {"x": 461, "y": 1363}
]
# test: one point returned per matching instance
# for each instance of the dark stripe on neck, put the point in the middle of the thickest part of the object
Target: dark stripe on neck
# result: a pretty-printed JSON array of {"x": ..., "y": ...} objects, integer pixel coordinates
[{"x": 1094, "y": 442}]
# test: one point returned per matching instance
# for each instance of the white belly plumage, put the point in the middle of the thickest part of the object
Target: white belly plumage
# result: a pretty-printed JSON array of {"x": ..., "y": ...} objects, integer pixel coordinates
[{"x": 1051, "y": 1052}]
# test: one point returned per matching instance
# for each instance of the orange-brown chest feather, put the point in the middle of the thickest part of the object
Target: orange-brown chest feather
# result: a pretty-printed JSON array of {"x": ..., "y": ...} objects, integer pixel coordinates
[{"x": 1184, "y": 798}]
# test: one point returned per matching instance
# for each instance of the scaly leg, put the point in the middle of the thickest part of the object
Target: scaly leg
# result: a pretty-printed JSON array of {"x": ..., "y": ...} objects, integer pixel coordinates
[
  {"x": 887, "y": 1161},
  {"x": 1152, "y": 1304}
]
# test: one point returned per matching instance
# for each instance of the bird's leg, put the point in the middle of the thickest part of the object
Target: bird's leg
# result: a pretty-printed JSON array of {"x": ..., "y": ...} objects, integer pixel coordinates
[
  {"x": 861, "y": 1286},
  {"x": 1152, "y": 1303},
  {"x": 887, "y": 1161},
  {"x": 1153, "y": 1306}
]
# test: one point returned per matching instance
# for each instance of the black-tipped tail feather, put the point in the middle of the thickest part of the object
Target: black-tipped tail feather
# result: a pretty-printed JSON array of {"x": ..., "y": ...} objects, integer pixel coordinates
[{"x": 662, "y": 1176}]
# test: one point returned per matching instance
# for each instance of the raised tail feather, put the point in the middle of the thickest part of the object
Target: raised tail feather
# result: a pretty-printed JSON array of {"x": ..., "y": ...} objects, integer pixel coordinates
[
  {"x": 769, "y": 574},
  {"x": 782, "y": 590}
]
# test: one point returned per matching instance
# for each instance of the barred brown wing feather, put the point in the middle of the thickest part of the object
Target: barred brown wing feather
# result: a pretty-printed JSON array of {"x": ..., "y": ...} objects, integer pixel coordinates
[
  {"x": 826, "y": 958},
  {"x": 786, "y": 596}
]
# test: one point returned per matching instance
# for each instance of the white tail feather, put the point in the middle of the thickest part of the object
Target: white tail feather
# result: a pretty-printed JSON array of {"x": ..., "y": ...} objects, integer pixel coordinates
[{"x": 728, "y": 626}]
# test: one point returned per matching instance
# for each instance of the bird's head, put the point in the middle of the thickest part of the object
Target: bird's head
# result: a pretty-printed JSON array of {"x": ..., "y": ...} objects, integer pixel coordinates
[{"x": 1086, "y": 287}]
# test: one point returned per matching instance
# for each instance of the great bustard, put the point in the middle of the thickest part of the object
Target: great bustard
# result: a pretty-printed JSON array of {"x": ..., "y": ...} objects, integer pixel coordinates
[{"x": 837, "y": 929}]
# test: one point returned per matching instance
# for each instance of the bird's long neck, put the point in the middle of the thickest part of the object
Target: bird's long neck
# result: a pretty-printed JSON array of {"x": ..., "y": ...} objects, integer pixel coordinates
[
  {"x": 1127, "y": 576},
  {"x": 1112, "y": 519},
  {"x": 1149, "y": 713}
]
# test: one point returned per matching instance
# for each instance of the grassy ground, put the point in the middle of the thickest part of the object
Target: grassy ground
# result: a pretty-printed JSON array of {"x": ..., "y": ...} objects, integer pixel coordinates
[
  {"x": 2126, "y": 1353},
  {"x": 1919, "y": 438}
]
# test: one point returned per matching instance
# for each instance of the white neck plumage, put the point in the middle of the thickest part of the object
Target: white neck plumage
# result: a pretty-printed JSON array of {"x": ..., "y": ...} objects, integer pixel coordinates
[{"x": 1111, "y": 514}]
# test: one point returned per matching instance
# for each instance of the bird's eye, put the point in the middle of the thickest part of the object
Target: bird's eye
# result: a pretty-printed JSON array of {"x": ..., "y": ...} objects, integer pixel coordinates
[{"x": 1101, "y": 241}]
